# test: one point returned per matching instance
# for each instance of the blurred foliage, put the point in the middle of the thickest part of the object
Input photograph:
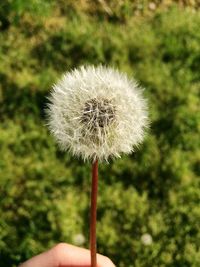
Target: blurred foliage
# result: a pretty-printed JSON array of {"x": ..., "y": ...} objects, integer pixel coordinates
[{"x": 44, "y": 194}]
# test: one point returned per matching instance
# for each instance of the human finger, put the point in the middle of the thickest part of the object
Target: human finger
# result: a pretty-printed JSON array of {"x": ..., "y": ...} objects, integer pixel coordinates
[{"x": 66, "y": 255}]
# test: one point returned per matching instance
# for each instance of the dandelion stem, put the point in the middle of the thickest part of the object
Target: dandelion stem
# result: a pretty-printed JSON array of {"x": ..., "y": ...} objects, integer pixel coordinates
[{"x": 93, "y": 213}]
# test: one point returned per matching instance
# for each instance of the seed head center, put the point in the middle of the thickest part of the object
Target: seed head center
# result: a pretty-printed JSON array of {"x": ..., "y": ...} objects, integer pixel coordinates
[{"x": 98, "y": 113}]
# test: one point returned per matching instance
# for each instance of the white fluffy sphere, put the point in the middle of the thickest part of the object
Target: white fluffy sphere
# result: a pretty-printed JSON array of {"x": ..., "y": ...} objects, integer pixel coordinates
[
  {"x": 97, "y": 113},
  {"x": 79, "y": 239},
  {"x": 146, "y": 239}
]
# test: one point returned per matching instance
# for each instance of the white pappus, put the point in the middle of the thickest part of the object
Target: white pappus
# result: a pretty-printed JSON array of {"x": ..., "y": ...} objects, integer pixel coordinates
[{"x": 97, "y": 113}]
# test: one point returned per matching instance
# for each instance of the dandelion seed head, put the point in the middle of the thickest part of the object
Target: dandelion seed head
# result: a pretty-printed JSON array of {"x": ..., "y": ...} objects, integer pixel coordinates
[
  {"x": 79, "y": 239},
  {"x": 146, "y": 239},
  {"x": 97, "y": 113}
]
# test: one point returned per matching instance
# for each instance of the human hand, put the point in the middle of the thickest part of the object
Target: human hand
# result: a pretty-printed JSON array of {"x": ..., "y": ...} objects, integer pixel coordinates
[{"x": 65, "y": 255}]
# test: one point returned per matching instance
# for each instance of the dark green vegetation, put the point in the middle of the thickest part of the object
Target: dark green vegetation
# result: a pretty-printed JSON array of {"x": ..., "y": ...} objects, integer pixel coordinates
[{"x": 44, "y": 194}]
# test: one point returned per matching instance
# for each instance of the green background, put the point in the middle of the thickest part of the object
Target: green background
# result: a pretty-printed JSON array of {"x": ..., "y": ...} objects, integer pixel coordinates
[{"x": 44, "y": 193}]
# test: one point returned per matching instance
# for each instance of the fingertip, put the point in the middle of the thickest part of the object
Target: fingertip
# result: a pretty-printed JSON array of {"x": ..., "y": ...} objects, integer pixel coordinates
[
  {"x": 64, "y": 254},
  {"x": 104, "y": 261}
]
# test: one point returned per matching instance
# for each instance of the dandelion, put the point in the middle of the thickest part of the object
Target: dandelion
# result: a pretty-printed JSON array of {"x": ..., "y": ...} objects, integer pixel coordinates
[
  {"x": 97, "y": 113},
  {"x": 146, "y": 239},
  {"x": 78, "y": 239}
]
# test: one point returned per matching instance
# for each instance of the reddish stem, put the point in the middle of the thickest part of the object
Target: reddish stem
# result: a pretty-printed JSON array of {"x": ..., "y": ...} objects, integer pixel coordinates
[{"x": 93, "y": 213}]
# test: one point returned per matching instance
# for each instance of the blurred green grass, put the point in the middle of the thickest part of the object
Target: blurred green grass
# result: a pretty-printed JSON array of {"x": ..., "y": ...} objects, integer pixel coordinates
[{"x": 44, "y": 194}]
